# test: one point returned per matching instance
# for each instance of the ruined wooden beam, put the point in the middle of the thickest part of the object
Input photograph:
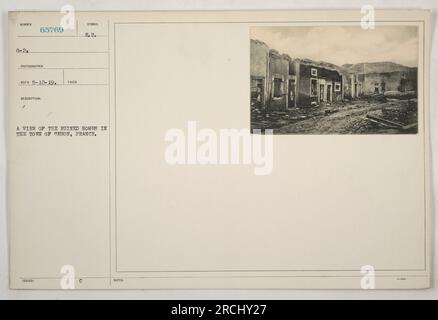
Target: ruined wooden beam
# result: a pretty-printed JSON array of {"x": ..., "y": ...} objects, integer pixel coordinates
[
  {"x": 410, "y": 126},
  {"x": 385, "y": 122},
  {"x": 391, "y": 124}
]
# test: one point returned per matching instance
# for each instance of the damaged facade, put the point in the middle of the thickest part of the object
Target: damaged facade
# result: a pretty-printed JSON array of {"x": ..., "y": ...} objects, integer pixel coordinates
[
  {"x": 269, "y": 77},
  {"x": 353, "y": 85},
  {"x": 401, "y": 81},
  {"x": 315, "y": 84},
  {"x": 368, "y": 79},
  {"x": 259, "y": 71},
  {"x": 281, "y": 83}
]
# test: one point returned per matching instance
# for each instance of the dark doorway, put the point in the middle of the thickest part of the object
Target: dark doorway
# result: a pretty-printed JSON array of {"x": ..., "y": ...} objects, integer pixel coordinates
[
  {"x": 277, "y": 88},
  {"x": 261, "y": 92},
  {"x": 291, "y": 95},
  {"x": 257, "y": 92},
  {"x": 321, "y": 92}
]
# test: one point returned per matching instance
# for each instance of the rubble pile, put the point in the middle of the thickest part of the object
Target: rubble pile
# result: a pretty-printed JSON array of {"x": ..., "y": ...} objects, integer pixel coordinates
[
  {"x": 403, "y": 111},
  {"x": 354, "y": 117}
]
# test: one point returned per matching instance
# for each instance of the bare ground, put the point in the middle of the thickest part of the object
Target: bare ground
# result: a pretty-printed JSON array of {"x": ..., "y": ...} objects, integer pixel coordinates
[{"x": 341, "y": 118}]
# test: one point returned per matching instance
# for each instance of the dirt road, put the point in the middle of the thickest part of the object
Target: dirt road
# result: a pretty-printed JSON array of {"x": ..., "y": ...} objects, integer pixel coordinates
[{"x": 351, "y": 119}]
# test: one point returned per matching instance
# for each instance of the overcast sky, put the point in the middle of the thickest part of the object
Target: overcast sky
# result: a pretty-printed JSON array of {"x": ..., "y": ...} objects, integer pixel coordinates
[{"x": 344, "y": 44}]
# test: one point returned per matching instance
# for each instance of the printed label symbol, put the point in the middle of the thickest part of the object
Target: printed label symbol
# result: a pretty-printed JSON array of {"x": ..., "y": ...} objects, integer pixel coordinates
[
  {"x": 368, "y": 281},
  {"x": 368, "y": 20},
  {"x": 68, "y": 277}
]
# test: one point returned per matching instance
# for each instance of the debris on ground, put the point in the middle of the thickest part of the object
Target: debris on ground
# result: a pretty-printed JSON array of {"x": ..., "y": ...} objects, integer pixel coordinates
[
  {"x": 371, "y": 115},
  {"x": 400, "y": 95}
]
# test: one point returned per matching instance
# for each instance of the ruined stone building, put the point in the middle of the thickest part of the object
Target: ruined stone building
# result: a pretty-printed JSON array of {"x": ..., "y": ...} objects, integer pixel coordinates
[
  {"x": 402, "y": 81},
  {"x": 280, "y": 83},
  {"x": 381, "y": 77},
  {"x": 269, "y": 77},
  {"x": 259, "y": 60},
  {"x": 315, "y": 83},
  {"x": 353, "y": 85},
  {"x": 279, "y": 80}
]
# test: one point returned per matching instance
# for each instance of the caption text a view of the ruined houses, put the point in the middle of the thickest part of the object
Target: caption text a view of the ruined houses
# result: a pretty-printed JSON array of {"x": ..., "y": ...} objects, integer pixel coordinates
[{"x": 334, "y": 79}]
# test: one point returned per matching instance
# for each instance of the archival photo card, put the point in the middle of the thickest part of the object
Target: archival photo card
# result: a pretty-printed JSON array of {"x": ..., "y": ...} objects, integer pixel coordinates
[{"x": 140, "y": 153}]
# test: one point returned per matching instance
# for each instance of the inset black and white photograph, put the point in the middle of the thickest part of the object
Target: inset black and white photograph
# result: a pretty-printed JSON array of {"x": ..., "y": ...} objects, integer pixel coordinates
[{"x": 334, "y": 79}]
